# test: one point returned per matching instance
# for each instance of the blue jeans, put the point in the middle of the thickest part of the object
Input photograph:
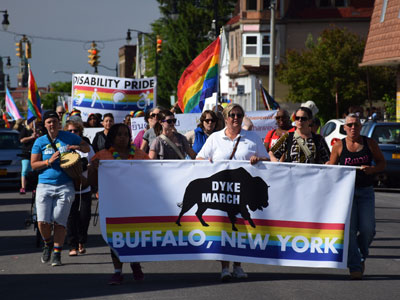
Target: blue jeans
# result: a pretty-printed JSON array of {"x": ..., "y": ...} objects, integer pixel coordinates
[{"x": 362, "y": 226}]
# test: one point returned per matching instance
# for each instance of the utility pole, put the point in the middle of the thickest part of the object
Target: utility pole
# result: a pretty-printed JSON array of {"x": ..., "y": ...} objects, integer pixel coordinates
[{"x": 271, "y": 88}]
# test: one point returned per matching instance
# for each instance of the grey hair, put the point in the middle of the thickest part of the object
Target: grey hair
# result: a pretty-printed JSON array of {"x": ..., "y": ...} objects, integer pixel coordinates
[{"x": 353, "y": 115}]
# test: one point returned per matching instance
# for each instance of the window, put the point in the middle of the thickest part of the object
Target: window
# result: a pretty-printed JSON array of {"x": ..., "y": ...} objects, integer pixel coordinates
[
  {"x": 250, "y": 48},
  {"x": 251, "y": 5},
  {"x": 266, "y": 4},
  {"x": 266, "y": 44},
  {"x": 256, "y": 44}
]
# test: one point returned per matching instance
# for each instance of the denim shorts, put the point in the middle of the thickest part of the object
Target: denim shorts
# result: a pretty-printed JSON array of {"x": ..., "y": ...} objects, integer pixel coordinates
[
  {"x": 26, "y": 167},
  {"x": 53, "y": 202}
]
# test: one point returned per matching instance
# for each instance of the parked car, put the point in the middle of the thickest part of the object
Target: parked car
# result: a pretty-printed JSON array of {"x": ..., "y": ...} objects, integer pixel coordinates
[
  {"x": 10, "y": 160},
  {"x": 387, "y": 135},
  {"x": 333, "y": 131}
]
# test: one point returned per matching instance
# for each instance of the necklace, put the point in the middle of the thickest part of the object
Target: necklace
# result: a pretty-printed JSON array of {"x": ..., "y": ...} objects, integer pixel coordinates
[{"x": 116, "y": 155}]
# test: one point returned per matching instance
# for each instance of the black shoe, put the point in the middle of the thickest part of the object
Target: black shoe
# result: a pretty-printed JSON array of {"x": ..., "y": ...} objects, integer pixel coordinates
[
  {"x": 56, "y": 261},
  {"x": 46, "y": 253}
]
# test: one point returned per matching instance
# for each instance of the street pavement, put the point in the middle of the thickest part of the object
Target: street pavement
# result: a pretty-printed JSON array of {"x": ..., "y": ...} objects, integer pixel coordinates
[{"x": 23, "y": 276}]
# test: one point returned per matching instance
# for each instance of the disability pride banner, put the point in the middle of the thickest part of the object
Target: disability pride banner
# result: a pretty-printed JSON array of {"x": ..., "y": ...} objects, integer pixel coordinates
[
  {"x": 116, "y": 95},
  {"x": 270, "y": 213}
]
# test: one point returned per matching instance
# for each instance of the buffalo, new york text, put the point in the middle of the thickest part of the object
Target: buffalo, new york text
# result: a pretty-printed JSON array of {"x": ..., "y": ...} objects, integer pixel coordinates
[{"x": 241, "y": 240}]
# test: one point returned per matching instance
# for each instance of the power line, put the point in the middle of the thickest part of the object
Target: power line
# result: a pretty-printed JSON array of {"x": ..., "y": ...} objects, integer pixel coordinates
[{"x": 62, "y": 39}]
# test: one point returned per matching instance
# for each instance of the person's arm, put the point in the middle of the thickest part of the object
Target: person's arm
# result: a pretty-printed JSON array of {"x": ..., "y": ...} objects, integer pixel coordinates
[
  {"x": 335, "y": 154},
  {"x": 144, "y": 145},
  {"x": 37, "y": 163},
  {"x": 83, "y": 147},
  {"x": 380, "y": 163},
  {"x": 191, "y": 153}
]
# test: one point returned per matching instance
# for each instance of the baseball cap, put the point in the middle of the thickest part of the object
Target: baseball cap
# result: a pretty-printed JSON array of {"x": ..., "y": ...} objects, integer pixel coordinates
[{"x": 50, "y": 114}]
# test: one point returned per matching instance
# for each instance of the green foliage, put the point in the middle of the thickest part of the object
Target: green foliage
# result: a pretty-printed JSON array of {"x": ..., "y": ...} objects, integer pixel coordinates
[
  {"x": 49, "y": 100},
  {"x": 329, "y": 66},
  {"x": 390, "y": 107},
  {"x": 183, "y": 39}
]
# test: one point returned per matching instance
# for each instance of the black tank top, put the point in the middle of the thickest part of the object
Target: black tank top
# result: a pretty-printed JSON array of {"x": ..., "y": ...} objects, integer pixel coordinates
[{"x": 362, "y": 157}]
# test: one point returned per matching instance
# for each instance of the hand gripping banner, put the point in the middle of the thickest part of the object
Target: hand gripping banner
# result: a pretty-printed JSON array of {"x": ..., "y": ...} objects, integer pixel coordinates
[{"x": 270, "y": 213}]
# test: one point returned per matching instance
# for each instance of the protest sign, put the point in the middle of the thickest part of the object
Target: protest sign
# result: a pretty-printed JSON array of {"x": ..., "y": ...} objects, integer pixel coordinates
[
  {"x": 269, "y": 213},
  {"x": 106, "y": 94}
]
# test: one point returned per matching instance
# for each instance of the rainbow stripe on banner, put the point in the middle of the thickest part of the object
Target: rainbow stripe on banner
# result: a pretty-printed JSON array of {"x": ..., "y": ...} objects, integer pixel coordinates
[
  {"x": 199, "y": 80},
  {"x": 271, "y": 239}
]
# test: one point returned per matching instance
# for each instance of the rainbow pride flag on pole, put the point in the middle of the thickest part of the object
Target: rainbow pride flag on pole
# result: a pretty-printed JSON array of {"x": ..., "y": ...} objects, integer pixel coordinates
[
  {"x": 200, "y": 79},
  {"x": 11, "y": 108},
  {"x": 34, "y": 106}
]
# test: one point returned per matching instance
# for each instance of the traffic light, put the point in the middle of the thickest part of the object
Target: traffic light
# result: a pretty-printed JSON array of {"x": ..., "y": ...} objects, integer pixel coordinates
[
  {"x": 28, "y": 50},
  {"x": 159, "y": 44},
  {"x": 94, "y": 55},
  {"x": 19, "y": 49}
]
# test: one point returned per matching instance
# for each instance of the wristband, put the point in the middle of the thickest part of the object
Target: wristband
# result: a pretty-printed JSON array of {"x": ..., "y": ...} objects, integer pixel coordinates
[{"x": 48, "y": 163}]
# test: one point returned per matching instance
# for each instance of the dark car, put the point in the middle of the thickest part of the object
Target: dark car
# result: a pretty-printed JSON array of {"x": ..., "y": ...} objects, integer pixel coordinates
[
  {"x": 387, "y": 135},
  {"x": 10, "y": 160}
]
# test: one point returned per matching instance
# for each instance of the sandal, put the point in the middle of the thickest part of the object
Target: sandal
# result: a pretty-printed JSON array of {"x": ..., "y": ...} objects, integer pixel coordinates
[
  {"x": 73, "y": 252},
  {"x": 82, "y": 249}
]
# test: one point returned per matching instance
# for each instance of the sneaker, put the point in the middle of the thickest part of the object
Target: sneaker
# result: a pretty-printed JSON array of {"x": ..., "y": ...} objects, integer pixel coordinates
[
  {"x": 116, "y": 279},
  {"x": 226, "y": 275},
  {"x": 46, "y": 253},
  {"x": 238, "y": 272},
  {"x": 356, "y": 275},
  {"x": 137, "y": 271},
  {"x": 22, "y": 191},
  {"x": 56, "y": 260}
]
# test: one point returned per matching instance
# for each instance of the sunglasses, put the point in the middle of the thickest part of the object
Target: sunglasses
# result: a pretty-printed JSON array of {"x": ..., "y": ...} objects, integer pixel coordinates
[
  {"x": 303, "y": 119},
  {"x": 209, "y": 121},
  {"x": 153, "y": 116},
  {"x": 280, "y": 117},
  {"x": 352, "y": 125},
  {"x": 74, "y": 130},
  {"x": 170, "y": 121},
  {"x": 239, "y": 116}
]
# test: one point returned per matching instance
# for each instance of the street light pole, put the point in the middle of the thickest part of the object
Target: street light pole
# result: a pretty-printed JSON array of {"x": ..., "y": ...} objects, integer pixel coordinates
[
  {"x": 272, "y": 52},
  {"x": 5, "y": 22}
]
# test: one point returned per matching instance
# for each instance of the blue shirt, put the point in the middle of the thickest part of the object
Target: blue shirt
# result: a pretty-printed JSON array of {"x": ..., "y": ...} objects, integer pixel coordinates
[{"x": 54, "y": 174}]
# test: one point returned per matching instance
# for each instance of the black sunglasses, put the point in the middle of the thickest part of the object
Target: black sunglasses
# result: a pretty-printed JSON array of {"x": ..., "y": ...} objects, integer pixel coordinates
[
  {"x": 170, "y": 121},
  {"x": 280, "y": 117},
  {"x": 239, "y": 116},
  {"x": 153, "y": 115},
  {"x": 303, "y": 119},
  {"x": 209, "y": 120},
  {"x": 352, "y": 125}
]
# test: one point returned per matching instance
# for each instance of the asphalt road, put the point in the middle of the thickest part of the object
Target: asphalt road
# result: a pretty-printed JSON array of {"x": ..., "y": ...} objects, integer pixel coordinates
[{"x": 23, "y": 276}]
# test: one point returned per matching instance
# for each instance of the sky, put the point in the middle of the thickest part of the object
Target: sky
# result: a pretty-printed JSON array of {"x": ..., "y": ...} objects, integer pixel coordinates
[{"x": 84, "y": 20}]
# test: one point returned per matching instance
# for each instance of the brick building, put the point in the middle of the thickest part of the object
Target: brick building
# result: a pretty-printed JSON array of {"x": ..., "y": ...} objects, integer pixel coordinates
[{"x": 248, "y": 34}]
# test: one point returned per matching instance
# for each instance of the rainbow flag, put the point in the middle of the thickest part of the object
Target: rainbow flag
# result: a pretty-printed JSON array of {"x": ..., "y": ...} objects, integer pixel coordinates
[
  {"x": 34, "y": 106},
  {"x": 11, "y": 108},
  {"x": 269, "y": 102},
  {"x": 200, "y": 79}
]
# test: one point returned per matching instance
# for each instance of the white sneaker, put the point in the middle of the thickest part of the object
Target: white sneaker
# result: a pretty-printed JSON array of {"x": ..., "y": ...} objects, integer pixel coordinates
[
  {"x": 238, "y": 272},
  {"x": 226, "y": 275}
]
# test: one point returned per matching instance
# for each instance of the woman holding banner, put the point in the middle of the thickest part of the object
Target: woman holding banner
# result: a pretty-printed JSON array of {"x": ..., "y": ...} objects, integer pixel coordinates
[
  {"x": 169, "y": 144},
  {"x": 118, "y": 146},
  {"x": 233, "y": 142}
]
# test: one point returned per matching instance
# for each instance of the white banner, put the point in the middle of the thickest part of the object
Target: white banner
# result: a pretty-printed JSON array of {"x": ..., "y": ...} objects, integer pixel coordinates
[
  {"x": 263, "y": 122},
  {"x": 106, "y": 94},
  {"x": 270, "y": 213}
]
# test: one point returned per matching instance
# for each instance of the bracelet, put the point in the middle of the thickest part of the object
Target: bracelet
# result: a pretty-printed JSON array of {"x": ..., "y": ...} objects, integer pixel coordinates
[{"x": 48, "y": 163}]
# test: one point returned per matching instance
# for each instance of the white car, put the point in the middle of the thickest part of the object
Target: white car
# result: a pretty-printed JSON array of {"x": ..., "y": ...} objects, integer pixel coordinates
[
  {"x": 333, "y": 131},
  {"x": 10, "y": 160}
]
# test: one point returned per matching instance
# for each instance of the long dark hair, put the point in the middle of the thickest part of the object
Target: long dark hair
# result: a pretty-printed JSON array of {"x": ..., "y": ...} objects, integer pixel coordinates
[
  {"x": 163, "y": 114},
  {"x": 204, "y": 116},
  {"x": 112, "y": 133}
]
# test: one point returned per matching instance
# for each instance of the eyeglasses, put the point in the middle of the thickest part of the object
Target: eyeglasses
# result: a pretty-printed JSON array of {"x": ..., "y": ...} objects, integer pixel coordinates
[
  {"x": 239, "y": 116},
  {"x": 73, "y": 130},
  {"x": 209, "y": 121},
  {"x": 352, "y": 124},
  {"x": 170, "y": 121},
  {"x": 280, "y": 117},
  {"x": 303, "y": 119},
  {"x": 153, "y": 116}
]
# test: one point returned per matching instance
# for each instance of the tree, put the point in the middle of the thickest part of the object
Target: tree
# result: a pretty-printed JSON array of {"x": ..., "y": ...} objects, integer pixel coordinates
[
  {"x": 330, "y": 66},
  {"x": 183, "y": 39},
  {"x": 58, "y": 88}
]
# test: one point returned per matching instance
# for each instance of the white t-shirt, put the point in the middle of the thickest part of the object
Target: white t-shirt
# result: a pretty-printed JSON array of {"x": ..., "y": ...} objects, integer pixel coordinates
[{"x": 219, "y": 147}]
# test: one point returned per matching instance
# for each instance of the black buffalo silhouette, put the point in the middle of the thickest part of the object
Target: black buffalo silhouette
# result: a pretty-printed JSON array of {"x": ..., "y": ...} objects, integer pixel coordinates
[{"x": 253, "y": 193}]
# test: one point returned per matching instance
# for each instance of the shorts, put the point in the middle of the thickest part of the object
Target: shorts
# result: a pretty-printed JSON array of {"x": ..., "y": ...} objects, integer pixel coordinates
[
  {"x": 26, "y": 167},
  {"x": 53, "y": 202}
]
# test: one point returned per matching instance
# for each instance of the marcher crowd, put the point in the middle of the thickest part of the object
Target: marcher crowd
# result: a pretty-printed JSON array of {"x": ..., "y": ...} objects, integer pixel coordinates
[{"x": 63, "y": 202}]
